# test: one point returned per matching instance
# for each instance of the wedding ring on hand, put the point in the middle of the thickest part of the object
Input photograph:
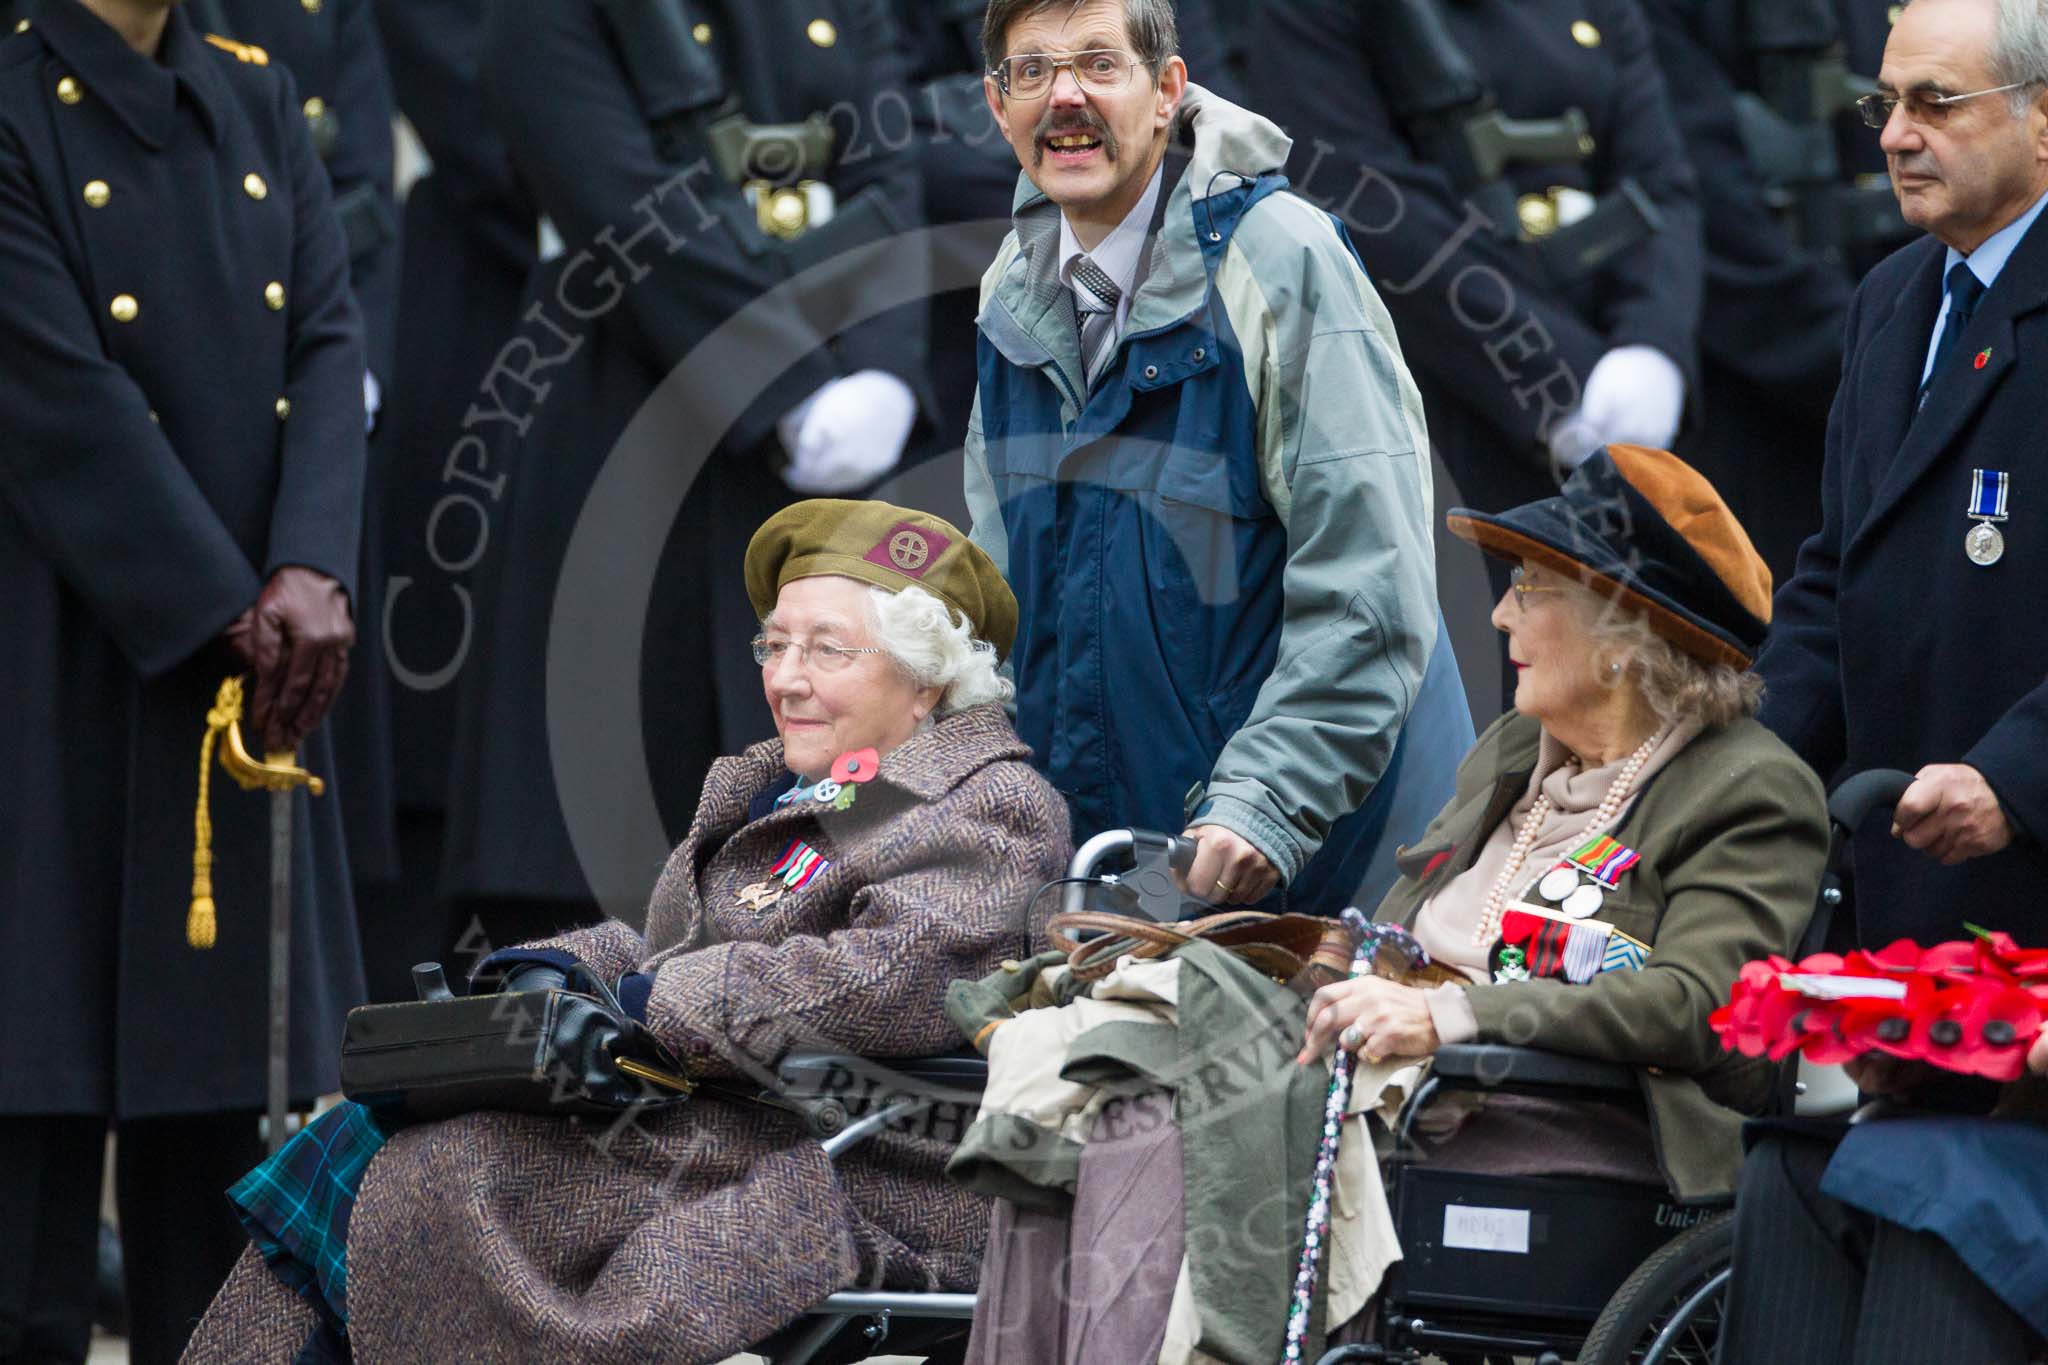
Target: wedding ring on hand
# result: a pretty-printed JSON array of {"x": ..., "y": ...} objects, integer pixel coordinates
[{"x": 1223, "y": 886}]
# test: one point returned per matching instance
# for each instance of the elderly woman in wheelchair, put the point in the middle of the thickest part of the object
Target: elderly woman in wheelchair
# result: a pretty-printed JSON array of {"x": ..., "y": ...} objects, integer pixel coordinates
[
  {"x": 1617, "y": 847},
  {"x": 832, "y": 882}
]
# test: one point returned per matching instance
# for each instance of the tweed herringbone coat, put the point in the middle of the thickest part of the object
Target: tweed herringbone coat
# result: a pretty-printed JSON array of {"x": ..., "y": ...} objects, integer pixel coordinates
[{"x": 689, "y": 1235}]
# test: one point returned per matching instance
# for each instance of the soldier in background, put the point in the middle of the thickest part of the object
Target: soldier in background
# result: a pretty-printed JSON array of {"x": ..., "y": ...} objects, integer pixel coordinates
[
  {"x": 471, "y": 243},
  {"x": 743, "y": 143},
  {"x": 1759, "y": 88},
  {"x": 1513, "y": 179},
  {"x": 181, "y": 491},
  {"x": 332, "y": 50}
]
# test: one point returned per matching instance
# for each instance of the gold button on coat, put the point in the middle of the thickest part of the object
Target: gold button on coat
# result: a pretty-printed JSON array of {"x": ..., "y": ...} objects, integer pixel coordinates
[
  {"x": 702, "y": 33},
  {"x": 97, "y": 193},
  {"x": 311, "y": 6},
  {"x": 253, "y": 185},
  {"x": 21, "y": 27},
  {"x": 273, "y": 294},
  {"x": 1584, "y": 34},
  {"x": 284, "y": 408},
  {"x": 822, "y": 32},
  {"x": 315, "y": 107},
  {"x": 124, "y": 308},
  {"x": 70, "y": 91}
]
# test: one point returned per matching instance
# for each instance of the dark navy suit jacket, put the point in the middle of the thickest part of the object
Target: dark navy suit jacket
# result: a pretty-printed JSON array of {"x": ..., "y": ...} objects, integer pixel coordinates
[{"x": 1892, "y": 649}]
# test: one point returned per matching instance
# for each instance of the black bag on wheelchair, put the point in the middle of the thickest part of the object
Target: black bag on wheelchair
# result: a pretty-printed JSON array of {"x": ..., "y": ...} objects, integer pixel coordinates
[{"x": 566, "y": 1047}]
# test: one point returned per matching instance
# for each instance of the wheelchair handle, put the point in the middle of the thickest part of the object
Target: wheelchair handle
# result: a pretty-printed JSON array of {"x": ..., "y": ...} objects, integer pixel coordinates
[
  {"x": 1866, "y": 793},
  {"x": 1148, "y": 850}
]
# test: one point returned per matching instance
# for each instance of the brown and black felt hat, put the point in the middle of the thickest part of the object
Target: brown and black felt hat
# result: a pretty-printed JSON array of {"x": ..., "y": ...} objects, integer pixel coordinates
[
  {"x": 1645, "y": 528},
  {"x": 888, "y": 546}
]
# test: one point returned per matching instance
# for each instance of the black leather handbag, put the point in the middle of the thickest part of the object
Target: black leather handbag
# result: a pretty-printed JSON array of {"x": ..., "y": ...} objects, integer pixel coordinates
[{"x": 552, "y": 1042}]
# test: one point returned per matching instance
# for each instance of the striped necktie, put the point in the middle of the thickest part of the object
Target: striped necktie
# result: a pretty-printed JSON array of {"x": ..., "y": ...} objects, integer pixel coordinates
[{"x": 1095, "y": 300}]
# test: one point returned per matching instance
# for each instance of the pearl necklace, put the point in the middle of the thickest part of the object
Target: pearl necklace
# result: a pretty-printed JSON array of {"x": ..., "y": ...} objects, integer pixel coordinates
[{"x": 1604, "y": 815}]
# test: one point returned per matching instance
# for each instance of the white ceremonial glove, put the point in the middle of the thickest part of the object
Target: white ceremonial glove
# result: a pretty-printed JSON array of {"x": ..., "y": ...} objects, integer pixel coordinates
[
  {"x": 1635, "y": 396},
  {"x": 847, "y": 434}
]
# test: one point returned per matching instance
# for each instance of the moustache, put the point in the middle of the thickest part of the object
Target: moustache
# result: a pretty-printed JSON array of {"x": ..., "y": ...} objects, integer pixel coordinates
[{"x": 1060, "y": 124}]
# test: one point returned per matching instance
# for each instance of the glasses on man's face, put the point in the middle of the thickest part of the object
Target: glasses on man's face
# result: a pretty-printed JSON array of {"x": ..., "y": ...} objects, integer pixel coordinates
[
  {"x": 1099, "y": 71},
  {"x": 771, "y": 650},
  {"x": 1522, "y": 588},
  {"x": 1928, "y": 108}
]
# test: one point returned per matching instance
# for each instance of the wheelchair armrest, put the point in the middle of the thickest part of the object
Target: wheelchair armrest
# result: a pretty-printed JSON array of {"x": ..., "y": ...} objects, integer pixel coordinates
[
  {"x": 844, "y": 1099},
  {"x": 1491, "y": 1066},
  {"x": 1501, "y": 1066},
  {"x": 955, "y": 1075}
]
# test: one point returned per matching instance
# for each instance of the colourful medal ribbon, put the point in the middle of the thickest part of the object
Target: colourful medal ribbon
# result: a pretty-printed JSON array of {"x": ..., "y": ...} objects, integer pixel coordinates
[
  {"x": 1604, "y": 859},
  {"x": 798, "y": 864}
]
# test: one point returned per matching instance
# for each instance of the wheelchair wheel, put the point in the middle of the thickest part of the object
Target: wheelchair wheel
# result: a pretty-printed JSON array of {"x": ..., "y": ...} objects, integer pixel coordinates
[{"x": 1669, "y": 1311}]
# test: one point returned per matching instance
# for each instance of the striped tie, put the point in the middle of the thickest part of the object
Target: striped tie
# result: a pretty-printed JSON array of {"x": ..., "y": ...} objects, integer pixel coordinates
[{"x": 1095, "y": 299}]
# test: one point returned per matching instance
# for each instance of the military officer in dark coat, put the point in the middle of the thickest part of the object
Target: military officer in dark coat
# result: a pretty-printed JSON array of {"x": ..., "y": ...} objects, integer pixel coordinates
[
  {"x": 471, "y": 242},
  {"x": 332, "y": 50},
  {"x": 180, "y": 497},
  {"x": 1546, "y": 277},
  {"x": 690, "y": 157},
  {"x": 1789, "y": 217},
  {"x": 1909, "y": 639}
]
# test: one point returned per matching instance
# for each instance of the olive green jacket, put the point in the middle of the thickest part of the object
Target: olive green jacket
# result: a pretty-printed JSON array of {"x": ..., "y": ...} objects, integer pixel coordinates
[{"x": 1733, "y": 836}]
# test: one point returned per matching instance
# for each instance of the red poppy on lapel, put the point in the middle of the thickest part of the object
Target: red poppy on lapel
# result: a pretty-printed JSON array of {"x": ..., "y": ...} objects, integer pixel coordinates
[{"x": 859, "y": 766}]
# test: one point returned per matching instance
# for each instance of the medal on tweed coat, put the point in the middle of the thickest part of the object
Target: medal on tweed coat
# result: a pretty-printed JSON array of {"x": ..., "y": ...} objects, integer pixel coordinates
[{"x": 800, "y": 864}]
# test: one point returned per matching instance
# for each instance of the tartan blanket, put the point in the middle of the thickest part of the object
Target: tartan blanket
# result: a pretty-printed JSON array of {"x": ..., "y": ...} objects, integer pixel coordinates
[{"x": 296, "y": 1205}]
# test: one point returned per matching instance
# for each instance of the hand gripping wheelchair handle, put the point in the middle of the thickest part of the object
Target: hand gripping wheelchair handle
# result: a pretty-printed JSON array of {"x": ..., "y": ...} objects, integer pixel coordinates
[
  {"x": 1158, "y": 857},
  {"x": 1866, "y": 793}
]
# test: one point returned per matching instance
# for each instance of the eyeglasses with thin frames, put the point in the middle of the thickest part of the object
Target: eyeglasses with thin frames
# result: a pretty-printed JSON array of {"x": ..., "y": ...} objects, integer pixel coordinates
[
  {"x": 1099, "y": 71},
  {"x": 1519, "y": 584},
  {"x": 770, "y": 651},
  {"x": 1924, "y": 107}
]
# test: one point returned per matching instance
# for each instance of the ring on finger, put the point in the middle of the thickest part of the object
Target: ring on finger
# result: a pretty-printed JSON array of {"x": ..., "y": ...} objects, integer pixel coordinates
[
  {"x": 1223, "y": 886},
  {"x": 1351, "y": 1037}
]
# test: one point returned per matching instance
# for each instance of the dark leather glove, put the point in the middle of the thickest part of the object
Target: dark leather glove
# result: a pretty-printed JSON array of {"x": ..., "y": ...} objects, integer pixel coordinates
[{"x": 299, "y": 635}]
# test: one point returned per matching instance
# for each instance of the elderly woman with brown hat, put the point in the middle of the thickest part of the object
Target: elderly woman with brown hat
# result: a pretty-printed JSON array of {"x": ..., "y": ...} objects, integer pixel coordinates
[
  {"x": 1622, "y": 841},
  {"x": 833, "y": 881}
]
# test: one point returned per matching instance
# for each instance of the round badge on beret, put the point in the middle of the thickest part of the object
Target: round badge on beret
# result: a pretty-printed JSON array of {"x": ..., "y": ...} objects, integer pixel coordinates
[{"x": 889, "y": 547}]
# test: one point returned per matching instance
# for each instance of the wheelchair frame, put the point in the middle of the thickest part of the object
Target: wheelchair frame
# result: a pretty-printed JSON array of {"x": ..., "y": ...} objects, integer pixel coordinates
[{"x": 1471, "y": 1066}]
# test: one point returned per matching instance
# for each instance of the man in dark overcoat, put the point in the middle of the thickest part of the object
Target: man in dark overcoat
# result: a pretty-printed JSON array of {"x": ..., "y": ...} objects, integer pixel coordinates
[
  {"x": 471, "y": 242},
  {"x": 677, "y": 211},
  {"x": 180, "y": 497},
  {"x": 1908, "y": 639},
  {"x": 1547, "y": 307}
]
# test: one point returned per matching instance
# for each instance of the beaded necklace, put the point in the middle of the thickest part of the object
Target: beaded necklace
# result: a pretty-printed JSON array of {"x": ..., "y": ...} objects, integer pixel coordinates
[{"x": 1488, "y": 928}]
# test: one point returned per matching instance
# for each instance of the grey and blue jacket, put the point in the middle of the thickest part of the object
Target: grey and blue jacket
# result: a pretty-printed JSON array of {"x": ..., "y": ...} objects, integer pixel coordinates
[{"x": 1222, "y": 552}]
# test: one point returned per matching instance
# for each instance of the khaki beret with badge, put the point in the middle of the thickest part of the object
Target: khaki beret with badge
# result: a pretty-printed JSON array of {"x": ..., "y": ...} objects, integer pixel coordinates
[{"x": 888, "y": 546}]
